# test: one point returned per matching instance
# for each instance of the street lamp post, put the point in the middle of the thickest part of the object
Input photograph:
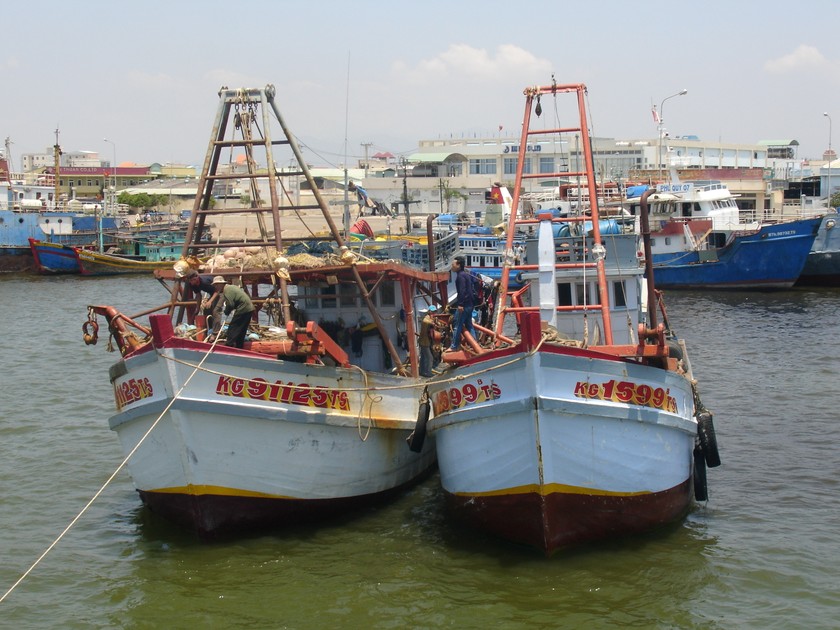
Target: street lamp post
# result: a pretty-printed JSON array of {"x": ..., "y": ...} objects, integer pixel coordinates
[
  {"x": 662, "y": 122},
  {"x": 114, "y": 173},
  {"x": 830, "y": 154}
]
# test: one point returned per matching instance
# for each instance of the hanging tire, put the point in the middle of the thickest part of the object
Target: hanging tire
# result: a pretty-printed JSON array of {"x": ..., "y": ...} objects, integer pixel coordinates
[
  {"x": 701, "y": 490},
  {"x": 675, "y": 349},
  {"x": 418, "y": 436},
  {"x": 708, "y": 441}
]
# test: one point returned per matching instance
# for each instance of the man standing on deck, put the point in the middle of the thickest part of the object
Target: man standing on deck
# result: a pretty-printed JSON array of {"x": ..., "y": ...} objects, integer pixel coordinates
[
  {"x": 464, "y": 288},
  {"x": 238, "y": 302},
  {"x": 211, "y": 306}
]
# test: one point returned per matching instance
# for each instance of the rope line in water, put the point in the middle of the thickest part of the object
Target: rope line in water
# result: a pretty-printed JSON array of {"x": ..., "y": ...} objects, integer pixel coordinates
[
  {"x": 366, "y": 391},
  {"x": 109, "y": 480}
]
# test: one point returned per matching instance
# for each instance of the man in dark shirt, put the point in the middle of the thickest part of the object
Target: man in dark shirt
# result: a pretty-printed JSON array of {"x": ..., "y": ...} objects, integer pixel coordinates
[{"x": 464, "y": 301}]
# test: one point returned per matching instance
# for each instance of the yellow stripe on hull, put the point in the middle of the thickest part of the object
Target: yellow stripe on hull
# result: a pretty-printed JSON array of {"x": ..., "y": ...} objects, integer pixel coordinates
[
  {"x": 200, "y": 490},
  {"x": 551, "y": 488}
]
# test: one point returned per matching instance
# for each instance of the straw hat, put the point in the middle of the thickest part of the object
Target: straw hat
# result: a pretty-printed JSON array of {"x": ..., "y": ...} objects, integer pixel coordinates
[{"x": 219, "y": 280}]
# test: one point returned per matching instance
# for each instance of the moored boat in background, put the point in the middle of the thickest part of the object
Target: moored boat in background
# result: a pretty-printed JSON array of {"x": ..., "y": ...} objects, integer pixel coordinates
[
  {"x": 31, "y": 210},
  {"x": 822, "y": 268},
  {"x": 55, "y": 258},
  {"x": 699, "y": 240}
]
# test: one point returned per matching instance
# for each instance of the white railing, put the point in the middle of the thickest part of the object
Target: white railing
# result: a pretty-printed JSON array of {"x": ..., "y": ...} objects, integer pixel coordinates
[{"x": 32, "y": 179}]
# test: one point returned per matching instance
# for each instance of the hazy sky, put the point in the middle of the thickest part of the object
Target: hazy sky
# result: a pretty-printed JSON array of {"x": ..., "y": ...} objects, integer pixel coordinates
[{"x": 146, "y": 75}]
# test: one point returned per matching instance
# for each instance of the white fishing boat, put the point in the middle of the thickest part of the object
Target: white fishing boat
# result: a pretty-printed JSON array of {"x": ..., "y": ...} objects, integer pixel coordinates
[
  {"x": 585, "y": 423},
  {"x": 310, "y": 416}
]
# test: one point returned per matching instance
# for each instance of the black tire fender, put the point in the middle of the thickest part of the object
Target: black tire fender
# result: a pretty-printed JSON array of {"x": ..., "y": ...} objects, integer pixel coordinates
[
  {"x": 708, "y": 441},
  {"x": 701, "y": 489},
  {"x": 418, "y": 436}
]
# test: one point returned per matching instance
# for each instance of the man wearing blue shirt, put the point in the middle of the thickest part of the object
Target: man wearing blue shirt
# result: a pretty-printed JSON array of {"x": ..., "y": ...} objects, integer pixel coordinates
[{"x": 464, "y": 301}]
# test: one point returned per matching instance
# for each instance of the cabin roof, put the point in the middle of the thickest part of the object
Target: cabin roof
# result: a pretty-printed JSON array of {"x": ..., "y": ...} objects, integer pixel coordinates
[
  {"x": 778, "y": 143},
  {"x": 434, "y": 158}
]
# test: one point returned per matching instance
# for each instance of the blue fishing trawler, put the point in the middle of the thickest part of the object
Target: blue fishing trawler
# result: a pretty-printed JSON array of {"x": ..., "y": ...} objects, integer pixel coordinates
[
  {"x": 699, "y": 241},
  {"x": 823, "y": 265}
]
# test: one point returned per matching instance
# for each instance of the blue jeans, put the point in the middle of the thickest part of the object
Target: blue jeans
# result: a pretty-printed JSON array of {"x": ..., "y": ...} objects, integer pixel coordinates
[
  {"x": 463, "y": 319},
  {"x": 426, "y": 360}
]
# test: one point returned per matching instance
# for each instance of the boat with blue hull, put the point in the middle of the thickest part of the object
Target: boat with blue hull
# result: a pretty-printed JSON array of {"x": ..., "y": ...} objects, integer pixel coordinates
[
  {"x": 29, "y": 209},
  {"x": 771, "y": 257},
  {"x": 55, "y": 258},
  {"x": 700, "y": 241},
  {"x": 822, "y": 268}
]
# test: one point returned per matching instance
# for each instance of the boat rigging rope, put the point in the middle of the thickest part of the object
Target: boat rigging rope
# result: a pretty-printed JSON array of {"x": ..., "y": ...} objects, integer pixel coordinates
[
  {"x": 365, "y": 396},
  {"x": 111, "y": 478}
]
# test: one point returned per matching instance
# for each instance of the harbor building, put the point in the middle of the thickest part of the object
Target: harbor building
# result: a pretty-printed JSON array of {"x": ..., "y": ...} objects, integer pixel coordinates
[{"x": 451, "y": 175}]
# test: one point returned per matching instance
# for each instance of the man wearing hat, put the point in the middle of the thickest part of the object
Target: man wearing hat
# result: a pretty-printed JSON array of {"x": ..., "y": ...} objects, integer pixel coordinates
[
  {"x": 237, "y": 301},
  {"x": 211, "y": 306}
]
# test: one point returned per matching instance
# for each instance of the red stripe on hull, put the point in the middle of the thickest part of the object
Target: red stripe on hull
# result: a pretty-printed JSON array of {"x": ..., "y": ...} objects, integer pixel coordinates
[{"x": 560, "y": 520}]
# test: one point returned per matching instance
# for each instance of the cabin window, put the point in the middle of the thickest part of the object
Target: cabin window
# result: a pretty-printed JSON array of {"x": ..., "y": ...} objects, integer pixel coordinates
[
  {"x": 387, "y": 294},
  {"x": 310, "y": 302},
  {"x": 592, "y": 299},
  {"x": 348, "y": 294},
  {"x": 328, "y": 302},
  {"x": 564, "y": 294},
  {"x": 667, "y": 240},
  {"x": 619, "y": 295}
]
